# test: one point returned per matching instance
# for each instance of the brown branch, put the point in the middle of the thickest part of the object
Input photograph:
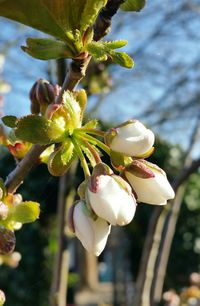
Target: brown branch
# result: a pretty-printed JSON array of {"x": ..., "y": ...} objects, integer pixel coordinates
[{"x": 16, "y": 177}]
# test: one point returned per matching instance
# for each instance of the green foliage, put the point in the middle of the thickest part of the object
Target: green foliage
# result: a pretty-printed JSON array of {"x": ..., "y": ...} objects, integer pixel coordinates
[
  {"x": 60, "y": 160},
  {"x": 26, "y": 212},
  {"x": 66, "y": 20},
  {"x": 92, "y": 124},
  {"x": 9, "y": 121},
  {"x": 104, "y": 50},
  {"x": 90, "y": 13},
  {"x": 74, "y": 111},
  {"x": 133, "y": 5},
  {"x": 46, "y": 48},
  {"x": 38, "y": 130}
]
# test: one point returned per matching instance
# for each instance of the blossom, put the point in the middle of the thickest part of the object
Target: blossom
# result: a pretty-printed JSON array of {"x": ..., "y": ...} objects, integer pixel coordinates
[
  {"x": 111, "y": 199},
  {"x": 131, "y": 138},
  {"x": 149, "y": 182},
  {"x": 92, "y": 232}
]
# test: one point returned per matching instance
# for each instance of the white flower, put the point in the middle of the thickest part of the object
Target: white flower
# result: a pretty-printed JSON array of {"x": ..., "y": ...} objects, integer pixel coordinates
[
  {"x": 112, "y": 200},
  {"x": 131, "y": 139},
  {"x": 93, "y": 234},
  {"x": 152, "y": 190}
]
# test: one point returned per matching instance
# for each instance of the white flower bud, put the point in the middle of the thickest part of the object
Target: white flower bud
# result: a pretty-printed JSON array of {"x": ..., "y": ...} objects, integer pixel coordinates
[
  {"x": 93, "y": 234},
  {"x": 154, "y": 189},
  {"x": 131, "y": 138},
  {"x": 112, "y": 199},
  {"x": 3, "y": 211}
]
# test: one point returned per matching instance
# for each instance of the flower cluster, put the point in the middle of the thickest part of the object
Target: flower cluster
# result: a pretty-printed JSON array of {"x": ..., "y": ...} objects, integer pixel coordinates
[
  {"x": 13, "y": 214},
  {"x": 107, "y": 197}
]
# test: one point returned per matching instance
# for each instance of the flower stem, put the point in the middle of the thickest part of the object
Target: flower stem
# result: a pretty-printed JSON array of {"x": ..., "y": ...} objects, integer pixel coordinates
[
  {"x": 92, "y": 149},
  {"x": 94, "y": 140},
  {"x": 84, "y": 164},
  {"x": 93, "y": 132}
]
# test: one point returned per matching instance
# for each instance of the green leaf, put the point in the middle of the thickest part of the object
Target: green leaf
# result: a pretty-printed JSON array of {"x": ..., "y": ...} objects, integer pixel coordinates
[
  {"x": 67, "y": 152},
  {"x": 60, "y": 161},
  {"x": 103, "y": 50},
  {"x": 133, "y": 5},
  {"x": 66, "y": 20},
  {"x": 90, "y": 13},
  {"x": 9, "y": 121},
  {"x": 46, "y": 49},
  {"x": 73, "y": 109},
  {"x": 36, "y": 14},
  {"x": 122, "y": 59},
  {"x": 116, "y": 44},
  {"x": 81, "y": 98},
  {"x": 38, "y": 130},
  {"x": 92, "y": 124},
  {"x": 26, "y": 212}
]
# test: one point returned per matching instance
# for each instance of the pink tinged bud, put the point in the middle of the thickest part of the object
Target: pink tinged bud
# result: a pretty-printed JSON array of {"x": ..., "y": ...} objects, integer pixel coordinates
[
  {"x": 153, "y": 189},
  {"x": 41, "y": 95},
  {"x": 93, "y": 234},
  {"x": 3, "y": 211},
  {"x": 131, "y": 138},
  {"x": 113, "y": 200},
  {"x": 7, "y": 241},
  {"x": 2, "y": 298}
]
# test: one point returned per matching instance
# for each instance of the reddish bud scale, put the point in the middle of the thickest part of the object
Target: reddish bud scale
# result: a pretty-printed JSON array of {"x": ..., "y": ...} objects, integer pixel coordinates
[
  {"x": 140, "y": 169},
  {"x": 51, "y": 110},
  {"x": 7, "y": 241},
  {"x": 44, "y": 92},
  {"x": 93, "y": 184}
]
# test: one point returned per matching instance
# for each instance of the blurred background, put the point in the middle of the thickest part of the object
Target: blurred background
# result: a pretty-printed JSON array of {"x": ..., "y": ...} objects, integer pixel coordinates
[{"x": 163, "y": 92}]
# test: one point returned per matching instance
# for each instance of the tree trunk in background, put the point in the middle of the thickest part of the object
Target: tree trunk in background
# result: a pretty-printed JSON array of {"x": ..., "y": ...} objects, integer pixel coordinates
[
  {"x": 160, "y": 235},
  {"x": 165, "y": 247},
  {"x": 145, "y": 255}
]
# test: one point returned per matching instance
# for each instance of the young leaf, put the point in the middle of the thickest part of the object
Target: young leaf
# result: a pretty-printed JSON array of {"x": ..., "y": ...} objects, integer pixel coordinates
[
  {"x": 67, "y": 152},
  {"x": 116, "y": 44},
  {"x": 81, "y": 98},
  {"x": 122, "y": 59},
  {"x": 90, "y": 13},
  {"x": 26, "y": 212},
  {"x": 74, "y": 110},
  {"x": 38, "y": 130},
  {"x": 133, "y": 5},
  {"x": 9, "y": 121},
  {"x": 56, "y": 166},
  {"x": 46, "y": 49},
  {"x": 102, "y": 50},
  {"x": 92, "y": 124}
]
